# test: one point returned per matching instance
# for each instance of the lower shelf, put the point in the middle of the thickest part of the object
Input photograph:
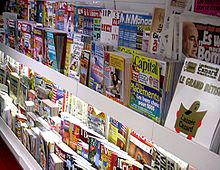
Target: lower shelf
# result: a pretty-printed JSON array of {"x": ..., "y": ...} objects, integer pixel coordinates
[{"x": 25, "y": 159}]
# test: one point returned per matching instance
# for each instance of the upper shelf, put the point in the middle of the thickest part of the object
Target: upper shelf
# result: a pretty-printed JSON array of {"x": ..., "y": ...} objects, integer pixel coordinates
[{"x": 189, "y": 151}]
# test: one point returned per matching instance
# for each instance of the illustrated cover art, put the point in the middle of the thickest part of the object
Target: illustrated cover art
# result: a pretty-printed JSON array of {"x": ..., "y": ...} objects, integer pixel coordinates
[
  {"x": 134, "y": 30},
  {"x": 105, "y": 156},
  {"x": 200, "y": 37},
  {"x": 110, "y": 26},
  {"x": 145, "y": 86},
  {"x": 140, "y": 148},
  {"x": 117, "y": 76},
  {"x": 26, "y": 37},
  {"x": 39, "y": 49},
  {"x": 195, "y": 102},
  {"x": 97, "y": 120}
]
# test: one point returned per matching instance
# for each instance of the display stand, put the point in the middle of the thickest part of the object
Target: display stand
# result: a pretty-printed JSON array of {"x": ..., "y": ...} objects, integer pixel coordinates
[{"x": 192, "y": 153}]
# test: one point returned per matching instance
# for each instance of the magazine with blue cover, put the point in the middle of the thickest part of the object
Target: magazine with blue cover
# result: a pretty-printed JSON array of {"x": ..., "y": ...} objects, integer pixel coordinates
[
  {"x": 134, "y": 30},
  {"x": 96, "y": 81}
]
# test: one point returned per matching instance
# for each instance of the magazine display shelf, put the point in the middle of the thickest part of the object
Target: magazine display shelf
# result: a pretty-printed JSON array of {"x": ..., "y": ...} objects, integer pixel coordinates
[
  {"x": 195, "y": 154},
  {"x": 22, "y": 155}
]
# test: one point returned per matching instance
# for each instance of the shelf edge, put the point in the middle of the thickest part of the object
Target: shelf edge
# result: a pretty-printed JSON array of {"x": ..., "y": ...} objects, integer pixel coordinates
[
  {"x": 66, "y": 82},
  {"x": 25, "y": 159}
]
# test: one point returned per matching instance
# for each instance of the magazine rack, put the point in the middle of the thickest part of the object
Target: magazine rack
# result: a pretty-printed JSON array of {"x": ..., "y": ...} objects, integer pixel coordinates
[{"x": 193, "y": 153}]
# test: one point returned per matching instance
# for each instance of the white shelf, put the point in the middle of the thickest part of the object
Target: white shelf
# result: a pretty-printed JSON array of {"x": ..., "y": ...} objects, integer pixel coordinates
[
  {"x": 54, "y": 76},
  {"x": 140, "y": 124},
  {"x": 190, "y": 152},
  {"x": 24, "y": 158}
]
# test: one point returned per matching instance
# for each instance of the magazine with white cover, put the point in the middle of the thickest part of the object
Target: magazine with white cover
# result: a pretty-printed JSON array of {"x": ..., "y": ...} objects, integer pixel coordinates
[
  {"x": 172, "y": 7},
  {"x": 200, "y": 37},
  {"x": 168, "y": 40},
  {"x": 163, "y": 46},
  {"x": 175, "y": 7},
  {"x": 110, "y": 26},
  {"x": 194, "y": 111},
  {"x": 166, "y": 160}
]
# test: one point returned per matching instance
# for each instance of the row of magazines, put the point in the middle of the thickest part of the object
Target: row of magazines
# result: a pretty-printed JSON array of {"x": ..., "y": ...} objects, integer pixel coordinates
[
  {"x": 136, "y": 59},
  {"x": 63, "y": 132}
]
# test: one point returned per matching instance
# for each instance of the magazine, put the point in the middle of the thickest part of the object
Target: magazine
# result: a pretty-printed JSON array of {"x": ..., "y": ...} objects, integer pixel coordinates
[
  {"x": 156, "y": 28},
  {"x": 207, "y": 7},
  {"x": 96, "y": 79},
  {"x": 26, "y": 37},
  {"x": 39, "y": 45},
  {"x": 194, "y": 103},
  {"x": 172, "y": 7},
  {"x": 87, "y": 20},
  {"x": 55, "y": 49},
  {"x": 145, "y": 86},
  {"x": 110, "y": 26},
  {"x": 165, "y": 160},
  {"x": 117, "y": 76},
  {"x": 97, "y": 121},
  {"x": 10, "y": 26},
  {"x": 175, "y": 7},
  {"x": 84, "y": 67},
  {"x": 118, "y": 134},
  {"x": 134, "y": 30},
  {"x": 200, "y": 37},
  {"x": 140, "y": 148}
]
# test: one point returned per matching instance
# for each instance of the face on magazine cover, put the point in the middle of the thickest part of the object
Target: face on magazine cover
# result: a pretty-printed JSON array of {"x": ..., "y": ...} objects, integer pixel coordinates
[{"x": 190, "y": 40}]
